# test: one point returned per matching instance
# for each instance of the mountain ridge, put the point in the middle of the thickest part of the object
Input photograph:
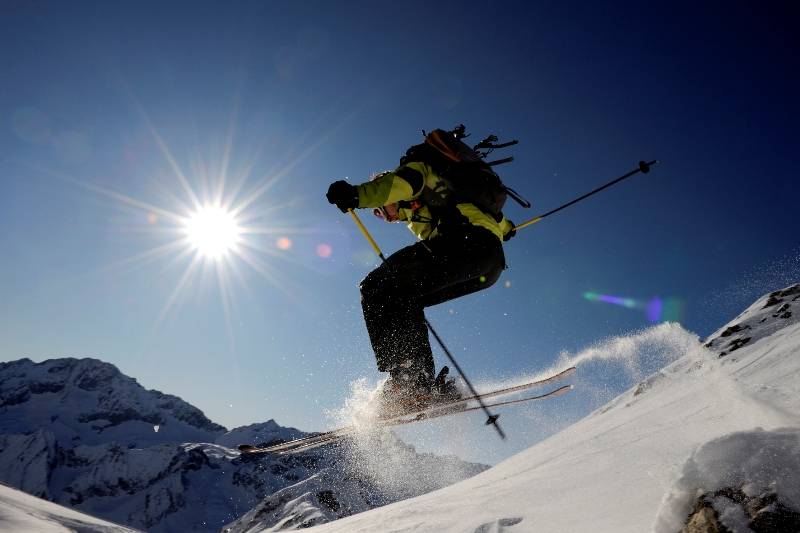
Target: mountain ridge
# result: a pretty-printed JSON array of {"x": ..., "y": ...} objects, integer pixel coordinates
[{"x": 80, "y": 433}]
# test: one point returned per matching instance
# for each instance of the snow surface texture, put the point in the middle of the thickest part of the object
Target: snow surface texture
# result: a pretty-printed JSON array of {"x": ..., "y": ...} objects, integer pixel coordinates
[
  {"x": 23, "y": 513},
  {"x": 759, "y": 463},
  {"x": 81, "y": 434},
  {"x": 638, "y": 463}
]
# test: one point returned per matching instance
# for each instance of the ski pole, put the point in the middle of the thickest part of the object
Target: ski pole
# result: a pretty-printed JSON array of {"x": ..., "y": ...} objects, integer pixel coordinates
[
  {"x": 366, "y": 233},
  {"x": 492, "y": 419},
  {"x": 644, "y": 168}
]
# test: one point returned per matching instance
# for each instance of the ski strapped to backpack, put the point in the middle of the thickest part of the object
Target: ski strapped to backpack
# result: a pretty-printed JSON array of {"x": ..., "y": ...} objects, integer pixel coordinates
[{"x": 466, "y": 175}]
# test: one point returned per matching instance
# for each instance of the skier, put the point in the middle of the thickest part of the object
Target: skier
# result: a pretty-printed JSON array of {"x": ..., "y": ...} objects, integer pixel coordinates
[{"x": 459, "y": 252}]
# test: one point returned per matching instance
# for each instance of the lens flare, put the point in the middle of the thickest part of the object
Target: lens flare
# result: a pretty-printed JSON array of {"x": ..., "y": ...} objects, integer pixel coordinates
[
  {"x": 324, "y": 250},
  {"x": 656, "y": 309},
  {"x": 283, "y": 243},
  {"x": 216, "y": 222}
]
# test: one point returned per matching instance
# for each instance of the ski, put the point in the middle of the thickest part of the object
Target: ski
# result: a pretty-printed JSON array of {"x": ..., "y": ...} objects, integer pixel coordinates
[
  {"x": 498, "y": 392},
  {"x": 552, "y": 394},
  {"x": 305, "y": 446},
  {"x": 426, "y": 413}
]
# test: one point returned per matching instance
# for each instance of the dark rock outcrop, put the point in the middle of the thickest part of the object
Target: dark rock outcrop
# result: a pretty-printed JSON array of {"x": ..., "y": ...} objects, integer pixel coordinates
[{"x": 762, "y": 514}]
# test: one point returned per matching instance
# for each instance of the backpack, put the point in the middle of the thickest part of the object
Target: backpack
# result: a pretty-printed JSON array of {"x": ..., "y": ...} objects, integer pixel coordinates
[{"x": 466, "y": 176}]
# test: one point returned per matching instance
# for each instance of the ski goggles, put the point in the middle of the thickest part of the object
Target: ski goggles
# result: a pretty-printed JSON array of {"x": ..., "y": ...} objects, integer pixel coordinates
[{"x": 384, "y": 214}]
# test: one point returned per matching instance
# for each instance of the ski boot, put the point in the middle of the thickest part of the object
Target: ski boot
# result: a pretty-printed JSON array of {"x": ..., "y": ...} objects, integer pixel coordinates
[
  {"x": 446, "y": 391},
  {"x": 404, "y": 392}
]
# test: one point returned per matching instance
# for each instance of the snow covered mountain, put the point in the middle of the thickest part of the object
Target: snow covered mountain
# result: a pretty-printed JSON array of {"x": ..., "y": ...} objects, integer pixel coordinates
[
  {"x": 81, "y": 434},
  {"x": 709, "y": 443},
  {"x": 87, "y": 401},
  {"x": 21, "y": 512}
]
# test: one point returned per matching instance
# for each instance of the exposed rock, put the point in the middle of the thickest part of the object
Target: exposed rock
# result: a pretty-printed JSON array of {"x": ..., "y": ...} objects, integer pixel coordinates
[
  {"x": 762, "y": 514},
  {"x": 777, "y": 297},
  {"x": 781, "y": 309},
  {"x": 758, "y": 321},
  {"x": 733, "y": 329},
  {"x": 738, "y": 343},
  {"x": 703, "y": 520}
]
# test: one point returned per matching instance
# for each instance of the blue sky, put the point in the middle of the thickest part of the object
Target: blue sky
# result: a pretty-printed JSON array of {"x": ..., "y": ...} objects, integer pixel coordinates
[{"x": 102, "y": 105}]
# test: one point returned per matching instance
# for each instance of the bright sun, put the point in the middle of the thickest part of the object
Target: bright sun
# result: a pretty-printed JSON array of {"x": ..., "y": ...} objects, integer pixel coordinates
[{"x": 213, "y": 231}]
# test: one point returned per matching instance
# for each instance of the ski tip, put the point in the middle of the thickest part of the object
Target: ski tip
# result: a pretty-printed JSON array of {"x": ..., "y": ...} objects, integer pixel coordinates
[
  {"x": 562, "y": 390},
  {"x": 567, "y": 371}
]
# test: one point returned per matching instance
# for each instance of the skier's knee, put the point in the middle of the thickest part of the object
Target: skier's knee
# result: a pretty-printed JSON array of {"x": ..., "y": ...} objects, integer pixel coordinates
[{"x": 371, "y": 285}]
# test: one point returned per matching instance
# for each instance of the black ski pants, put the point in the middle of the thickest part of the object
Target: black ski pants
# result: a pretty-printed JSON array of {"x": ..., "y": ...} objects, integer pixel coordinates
[{"x": 394, "y": 295}]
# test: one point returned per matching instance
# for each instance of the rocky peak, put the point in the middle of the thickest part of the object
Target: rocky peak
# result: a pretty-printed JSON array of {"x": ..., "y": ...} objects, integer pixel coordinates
[
  {"x": 264, "y": 433},
  {"x": 768, "y": 314}
]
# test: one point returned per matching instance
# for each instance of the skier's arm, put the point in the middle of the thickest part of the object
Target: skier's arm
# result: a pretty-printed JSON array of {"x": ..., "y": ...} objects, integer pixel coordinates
[{"x": 403, "y": 184}]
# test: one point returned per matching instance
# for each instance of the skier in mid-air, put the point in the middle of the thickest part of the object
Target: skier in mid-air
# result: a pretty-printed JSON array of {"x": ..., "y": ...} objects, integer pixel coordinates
[
  {"x": 460, "y": 251},
  {"x": 452, "y": 200}
]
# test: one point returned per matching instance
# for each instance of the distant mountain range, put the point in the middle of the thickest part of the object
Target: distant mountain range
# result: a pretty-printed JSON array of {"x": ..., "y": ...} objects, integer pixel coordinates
[{"x": 80, "y": 433}]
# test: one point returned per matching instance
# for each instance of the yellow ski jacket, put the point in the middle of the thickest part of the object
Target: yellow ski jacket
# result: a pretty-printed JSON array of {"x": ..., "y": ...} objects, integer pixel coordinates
[{"x": 405, "y": 184}]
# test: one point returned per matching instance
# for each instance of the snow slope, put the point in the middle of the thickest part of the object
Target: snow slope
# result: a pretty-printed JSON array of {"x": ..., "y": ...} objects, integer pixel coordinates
[
  {"x": 21, "y": 512},
  {"x": 638, "y": 463}
]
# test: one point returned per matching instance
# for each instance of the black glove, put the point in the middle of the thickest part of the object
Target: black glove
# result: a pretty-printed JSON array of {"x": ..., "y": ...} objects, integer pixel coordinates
[
  {"x": 507, "y": 236},
  {"x": 343, "y": 195}
]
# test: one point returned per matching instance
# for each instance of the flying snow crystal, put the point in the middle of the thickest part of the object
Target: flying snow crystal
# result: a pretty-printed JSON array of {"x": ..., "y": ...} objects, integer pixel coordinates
[
  {"x": 156, "y": 428},
  {"x": 384, "y": 460},
  {"x": 617, "y": 360}
]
